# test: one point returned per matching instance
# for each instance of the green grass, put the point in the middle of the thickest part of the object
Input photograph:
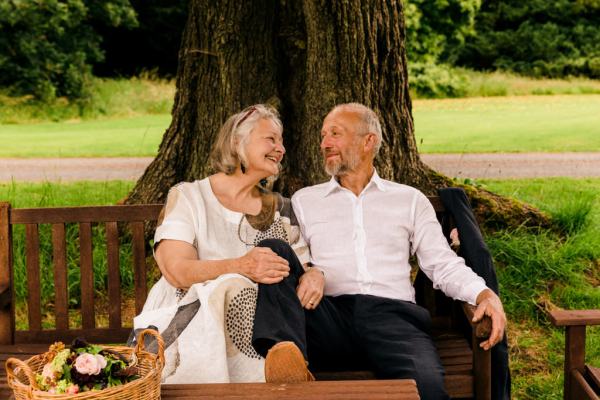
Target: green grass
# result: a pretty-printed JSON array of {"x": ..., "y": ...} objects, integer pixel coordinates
[
  {"x": 484, "y": 84},
  {"x": 51, "y": 194},
  {"x": 542, "y": 270},
  {"x": 127, "y": 137},
  {"x": 144, "y": 95},
  {"x": 508, "y": 124}
]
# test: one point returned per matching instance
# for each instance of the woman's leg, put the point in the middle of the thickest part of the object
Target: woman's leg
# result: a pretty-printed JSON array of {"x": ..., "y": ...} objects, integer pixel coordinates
[{"x": 279, "y": 315}]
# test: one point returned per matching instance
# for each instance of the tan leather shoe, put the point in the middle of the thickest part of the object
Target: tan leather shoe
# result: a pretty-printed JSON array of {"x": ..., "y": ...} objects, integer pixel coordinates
[{"x": 285, "y": 364}]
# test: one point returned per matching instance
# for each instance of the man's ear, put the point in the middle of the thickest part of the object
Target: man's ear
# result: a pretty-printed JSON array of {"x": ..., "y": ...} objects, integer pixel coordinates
[{"x": 369, "y": 142}]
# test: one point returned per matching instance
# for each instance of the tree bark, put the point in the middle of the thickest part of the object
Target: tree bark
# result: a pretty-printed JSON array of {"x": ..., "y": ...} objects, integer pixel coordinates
[{"x": 303, "y": 58}]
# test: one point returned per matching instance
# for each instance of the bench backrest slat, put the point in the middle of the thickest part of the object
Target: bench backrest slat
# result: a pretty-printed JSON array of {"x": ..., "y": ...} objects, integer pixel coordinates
[
  {"x": 32, "y": 257},
  {"x": 7, "y": 312},
  {"x": 61, "y": 295},
  {"x": 88, "y": 320},
  {"x": 114, "y": 276},
  {"x": 139, "y": 265}
]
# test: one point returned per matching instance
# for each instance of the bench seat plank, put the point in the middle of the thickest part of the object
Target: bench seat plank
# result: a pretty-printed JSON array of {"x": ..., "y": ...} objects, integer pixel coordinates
[{"x": 380, "y": 389}]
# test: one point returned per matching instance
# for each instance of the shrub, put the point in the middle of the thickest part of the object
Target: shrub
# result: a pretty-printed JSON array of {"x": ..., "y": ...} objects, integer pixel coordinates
[
  {"x": 437, "y": 81},
  {"x": 537, "y": 37},
  {"x": 47, "y": 46}
]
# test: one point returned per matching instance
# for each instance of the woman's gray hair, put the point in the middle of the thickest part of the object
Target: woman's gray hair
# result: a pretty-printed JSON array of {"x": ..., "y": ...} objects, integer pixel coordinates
[
  {"x": 228, "y": 151},
  {"x": 370, "y": 121}
]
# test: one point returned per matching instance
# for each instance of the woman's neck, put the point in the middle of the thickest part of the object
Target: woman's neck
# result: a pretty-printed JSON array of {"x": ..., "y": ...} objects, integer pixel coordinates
[{"x": 237, "y": 191}]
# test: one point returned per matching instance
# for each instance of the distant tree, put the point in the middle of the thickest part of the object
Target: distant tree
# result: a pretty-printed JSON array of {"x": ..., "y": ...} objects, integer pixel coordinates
[
  {"x": 47, "y": 46},
  {"x": 303, "y": 58},
  {"x": 536, "y": 37},
  {"x": 434, "y": 29}
]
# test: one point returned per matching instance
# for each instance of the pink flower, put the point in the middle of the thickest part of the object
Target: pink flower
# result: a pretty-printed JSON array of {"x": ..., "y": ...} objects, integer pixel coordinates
[
  {"x": 48, "y": 373},
  {"x": 101, "y": 361},
  {"x": 89, "y": 364},
  {"x": 73, "y": 389}
]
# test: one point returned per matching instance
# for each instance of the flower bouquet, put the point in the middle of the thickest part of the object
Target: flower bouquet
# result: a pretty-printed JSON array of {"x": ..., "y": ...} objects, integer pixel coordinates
[
  {"x": 84, "y": 367},
  {"x": 86, "y": 371}
]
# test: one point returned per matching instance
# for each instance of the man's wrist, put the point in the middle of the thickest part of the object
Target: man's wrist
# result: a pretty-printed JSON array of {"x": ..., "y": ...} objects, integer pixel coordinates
[{"x": 484, "y": 294}]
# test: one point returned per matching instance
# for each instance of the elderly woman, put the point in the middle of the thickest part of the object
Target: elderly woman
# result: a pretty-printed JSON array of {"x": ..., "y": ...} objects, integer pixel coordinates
[{"x": 220, "y": 243}]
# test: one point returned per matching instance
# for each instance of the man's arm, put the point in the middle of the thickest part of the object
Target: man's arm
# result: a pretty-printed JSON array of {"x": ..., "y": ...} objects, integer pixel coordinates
[{"x": 449, "y": 272}]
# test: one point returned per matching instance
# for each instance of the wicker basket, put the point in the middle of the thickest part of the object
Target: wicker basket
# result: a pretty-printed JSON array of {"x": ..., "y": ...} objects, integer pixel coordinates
[{"x": 146, "y": 387}]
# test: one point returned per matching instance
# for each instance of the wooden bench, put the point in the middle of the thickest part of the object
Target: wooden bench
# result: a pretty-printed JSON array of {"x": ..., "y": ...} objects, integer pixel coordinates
[
  {"x": 468, "y": 367},
  {"x": 582, "y": 382}
]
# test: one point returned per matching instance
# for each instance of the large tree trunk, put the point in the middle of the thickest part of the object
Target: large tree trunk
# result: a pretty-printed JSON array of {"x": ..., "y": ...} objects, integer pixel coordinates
[{"x": 303, "y": 58}]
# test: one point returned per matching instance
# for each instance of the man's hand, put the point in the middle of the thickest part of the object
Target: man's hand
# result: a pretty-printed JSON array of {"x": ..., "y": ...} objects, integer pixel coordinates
[
  {"x": 263, "y": 265},
  {"x": 488, "y": 303},
  {"x": 310, "y": 289}
]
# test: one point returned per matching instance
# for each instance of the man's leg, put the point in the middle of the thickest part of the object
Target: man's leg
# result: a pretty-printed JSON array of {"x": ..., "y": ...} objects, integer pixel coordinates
[
  {"x": 395, "y": 338},
  {"x": 330, "y": 334}
]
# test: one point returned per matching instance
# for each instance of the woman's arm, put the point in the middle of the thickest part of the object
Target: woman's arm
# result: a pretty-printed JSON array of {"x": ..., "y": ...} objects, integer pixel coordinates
[{"x": 178, "y": 262}]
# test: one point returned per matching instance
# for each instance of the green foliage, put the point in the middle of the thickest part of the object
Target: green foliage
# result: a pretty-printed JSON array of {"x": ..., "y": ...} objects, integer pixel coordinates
[
  {"x": 47, "y": 46},
  {"x": 435, "y": 28},
  {"x": 436, "y": 81},
  {"x": 537, "y": 37}
]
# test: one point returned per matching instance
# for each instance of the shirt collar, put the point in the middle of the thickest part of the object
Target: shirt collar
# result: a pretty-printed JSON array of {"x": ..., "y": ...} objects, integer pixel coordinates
[{"x": 334, "y": 185}]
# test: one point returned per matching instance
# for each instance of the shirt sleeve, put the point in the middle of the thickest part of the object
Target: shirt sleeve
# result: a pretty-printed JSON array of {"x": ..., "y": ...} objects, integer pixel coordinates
[
  {"x": 447, "y": 271},
  {"x": 176, "y": 220},
  {"x": 301, "y": 247}
]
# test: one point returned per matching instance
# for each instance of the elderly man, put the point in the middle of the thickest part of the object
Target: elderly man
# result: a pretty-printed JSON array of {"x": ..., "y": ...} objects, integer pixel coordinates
[{"x": 361, "y": 231}]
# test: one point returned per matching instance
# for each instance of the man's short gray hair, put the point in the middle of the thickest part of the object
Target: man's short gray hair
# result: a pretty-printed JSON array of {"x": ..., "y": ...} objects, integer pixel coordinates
[
  {"x": 370, "y": 121},
  {"x": 228, "y": 150}
]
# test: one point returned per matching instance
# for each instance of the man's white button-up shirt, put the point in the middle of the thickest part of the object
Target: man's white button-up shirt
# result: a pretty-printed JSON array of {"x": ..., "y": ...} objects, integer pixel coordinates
[{"x": 363, "y": 243}]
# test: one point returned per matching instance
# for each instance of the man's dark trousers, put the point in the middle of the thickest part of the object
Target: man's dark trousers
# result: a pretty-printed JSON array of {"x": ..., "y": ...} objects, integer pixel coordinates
[{"x": 350, "y": 331}]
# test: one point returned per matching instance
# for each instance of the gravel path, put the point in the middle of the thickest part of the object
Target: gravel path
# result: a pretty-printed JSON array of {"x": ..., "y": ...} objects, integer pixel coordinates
[{"x": 492, "y": 165}]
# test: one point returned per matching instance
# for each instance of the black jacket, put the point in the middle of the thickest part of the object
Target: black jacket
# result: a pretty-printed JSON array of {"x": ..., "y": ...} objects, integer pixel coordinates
[{"x": 477, "y": 256}]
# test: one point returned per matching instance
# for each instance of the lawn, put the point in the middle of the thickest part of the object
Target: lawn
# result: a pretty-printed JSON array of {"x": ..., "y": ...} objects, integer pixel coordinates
[
  {"x": 508, "y": 124},
  {"x": 473, "y": 125},
  {"x": 125, "y": 137}
]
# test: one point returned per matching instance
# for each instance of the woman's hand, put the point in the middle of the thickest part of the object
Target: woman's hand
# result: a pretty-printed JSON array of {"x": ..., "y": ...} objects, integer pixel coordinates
[
  {"x": 262, "y": 265},
  {"x": 311, "y": 287}
]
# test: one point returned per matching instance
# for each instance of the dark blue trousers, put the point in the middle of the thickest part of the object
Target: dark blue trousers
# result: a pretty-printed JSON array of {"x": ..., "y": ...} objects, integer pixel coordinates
[{"x": 391, "y": 337}]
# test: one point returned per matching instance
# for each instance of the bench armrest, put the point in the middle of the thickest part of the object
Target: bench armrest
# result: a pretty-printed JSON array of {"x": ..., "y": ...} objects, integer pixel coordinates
[
  {"x": 483, "y": 328},
  {"x": 574, "y": 317}
]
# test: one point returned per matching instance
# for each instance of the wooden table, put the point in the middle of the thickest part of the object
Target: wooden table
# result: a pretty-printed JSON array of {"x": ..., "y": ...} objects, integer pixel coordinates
[{"x": 366, "y": 389}]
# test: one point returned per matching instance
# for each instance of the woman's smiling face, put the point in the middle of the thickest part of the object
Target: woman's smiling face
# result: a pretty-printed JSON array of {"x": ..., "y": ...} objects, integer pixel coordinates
[{"x": 264, "y": 148}]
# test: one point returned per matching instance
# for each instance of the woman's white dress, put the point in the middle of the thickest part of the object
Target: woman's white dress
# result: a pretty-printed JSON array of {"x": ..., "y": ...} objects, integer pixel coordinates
[{"x": 208, "y": 328}]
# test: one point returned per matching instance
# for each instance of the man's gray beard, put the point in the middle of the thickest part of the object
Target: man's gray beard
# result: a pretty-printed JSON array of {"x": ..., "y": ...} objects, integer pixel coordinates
[{"x": 342, "y": 167}]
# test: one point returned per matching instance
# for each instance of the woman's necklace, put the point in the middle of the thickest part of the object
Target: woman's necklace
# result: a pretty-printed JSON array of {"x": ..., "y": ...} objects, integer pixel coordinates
[{"x": 265, "y": 217}]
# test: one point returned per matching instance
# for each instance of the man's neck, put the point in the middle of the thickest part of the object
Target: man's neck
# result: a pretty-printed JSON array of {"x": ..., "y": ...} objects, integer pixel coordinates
[{"x": 357, "y": 180}]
